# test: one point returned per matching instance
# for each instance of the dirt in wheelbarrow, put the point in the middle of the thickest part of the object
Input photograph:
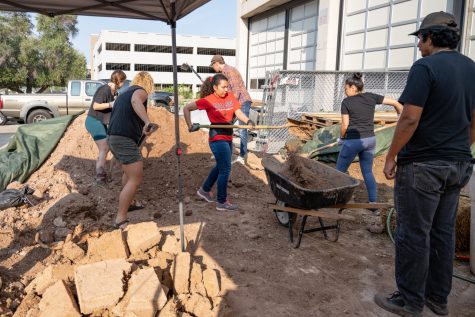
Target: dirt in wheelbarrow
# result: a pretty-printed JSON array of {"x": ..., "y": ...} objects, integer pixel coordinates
[
  {"x": 258, "y": 271},
  {"x": 310, "y": 174}
]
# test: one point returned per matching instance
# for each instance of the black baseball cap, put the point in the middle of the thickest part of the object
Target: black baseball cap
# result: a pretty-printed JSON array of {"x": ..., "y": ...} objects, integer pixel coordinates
[{"x": 435, "y": 20}]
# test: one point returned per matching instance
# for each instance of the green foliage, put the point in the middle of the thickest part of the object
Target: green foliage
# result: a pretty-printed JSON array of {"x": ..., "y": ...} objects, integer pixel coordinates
[
  {"x": 184, "y": 91},
  {"x": 38, "y": 60}
]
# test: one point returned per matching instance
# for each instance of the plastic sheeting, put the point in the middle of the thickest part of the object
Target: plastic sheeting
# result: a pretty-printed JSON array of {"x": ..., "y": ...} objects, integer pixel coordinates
[
  {"x": 29, "y": 148},
  {"x": 330, "y": 134}
]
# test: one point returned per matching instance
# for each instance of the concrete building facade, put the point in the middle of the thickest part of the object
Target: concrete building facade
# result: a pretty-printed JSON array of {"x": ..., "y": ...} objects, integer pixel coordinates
[
  {"x": 360, "y": 35},
  {"x": 137, "y": 51}
]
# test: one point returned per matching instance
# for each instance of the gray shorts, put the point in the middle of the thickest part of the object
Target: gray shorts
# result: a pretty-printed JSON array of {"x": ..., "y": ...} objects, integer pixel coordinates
[{"x": 125, "y": 149}]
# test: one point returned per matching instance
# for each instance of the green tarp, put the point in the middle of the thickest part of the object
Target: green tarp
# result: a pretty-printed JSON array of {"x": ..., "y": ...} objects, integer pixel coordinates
[
  {"x": 330, "y": 134},
  {"x": 29, "y": 148}
]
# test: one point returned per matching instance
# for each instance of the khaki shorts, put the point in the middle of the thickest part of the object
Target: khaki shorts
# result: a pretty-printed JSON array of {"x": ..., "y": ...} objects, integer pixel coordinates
[{"x": 125, "y": 149}]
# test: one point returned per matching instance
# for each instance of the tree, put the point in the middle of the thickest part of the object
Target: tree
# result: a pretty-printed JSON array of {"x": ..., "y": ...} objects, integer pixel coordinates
[
  {"x": 41, "y": 60},
  {"x": 15, "y": 29}
]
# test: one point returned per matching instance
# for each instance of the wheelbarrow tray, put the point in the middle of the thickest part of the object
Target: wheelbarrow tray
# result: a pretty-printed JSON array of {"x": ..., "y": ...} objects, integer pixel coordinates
[{"x": 337, "y": 187}]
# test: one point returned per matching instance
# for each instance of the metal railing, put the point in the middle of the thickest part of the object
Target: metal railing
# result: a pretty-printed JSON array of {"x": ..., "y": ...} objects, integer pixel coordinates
[{"x": 289, "y": 94}]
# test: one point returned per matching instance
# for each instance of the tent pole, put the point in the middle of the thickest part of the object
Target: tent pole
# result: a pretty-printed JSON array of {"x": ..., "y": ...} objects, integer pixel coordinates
[{"x": 178, "y": 150}]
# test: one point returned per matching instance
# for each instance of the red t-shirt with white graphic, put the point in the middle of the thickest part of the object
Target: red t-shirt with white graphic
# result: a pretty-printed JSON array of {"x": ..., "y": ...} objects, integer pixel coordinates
[{"x": 219, "y": 110}]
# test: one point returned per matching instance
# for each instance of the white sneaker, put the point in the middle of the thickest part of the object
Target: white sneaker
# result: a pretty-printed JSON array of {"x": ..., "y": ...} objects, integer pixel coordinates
[{"x": 240, "y": 160}]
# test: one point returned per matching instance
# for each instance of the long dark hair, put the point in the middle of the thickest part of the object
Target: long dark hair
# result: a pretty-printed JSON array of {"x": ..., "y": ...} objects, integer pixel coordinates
[
  {"x": 207, "y": 87},
  {"x": 117, "y": 77},
  {"x": 356, "y": 79}
]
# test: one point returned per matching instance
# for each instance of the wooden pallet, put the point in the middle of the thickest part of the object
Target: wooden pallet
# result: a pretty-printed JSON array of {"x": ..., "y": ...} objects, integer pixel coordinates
[{"x": 318, "y": 120}]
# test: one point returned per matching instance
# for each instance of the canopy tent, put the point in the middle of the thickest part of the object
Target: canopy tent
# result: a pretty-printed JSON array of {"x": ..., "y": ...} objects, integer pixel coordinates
[{"x": 168, "y": 11}]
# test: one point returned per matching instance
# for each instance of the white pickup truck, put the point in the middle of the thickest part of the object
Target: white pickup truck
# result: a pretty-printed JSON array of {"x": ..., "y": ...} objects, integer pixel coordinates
[{"x": 37, "y": 107}]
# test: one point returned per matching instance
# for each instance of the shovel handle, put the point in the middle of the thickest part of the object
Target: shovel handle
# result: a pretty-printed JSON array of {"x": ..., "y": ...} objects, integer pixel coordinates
[{"x": 225, "y": 126}]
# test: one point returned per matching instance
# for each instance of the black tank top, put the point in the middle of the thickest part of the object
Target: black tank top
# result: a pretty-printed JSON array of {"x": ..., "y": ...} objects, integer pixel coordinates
[{"x": 124, "y": 121}]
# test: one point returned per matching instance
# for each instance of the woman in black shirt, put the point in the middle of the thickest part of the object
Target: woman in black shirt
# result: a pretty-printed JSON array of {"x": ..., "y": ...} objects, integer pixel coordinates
[
  {"x": 357, "y": 130},
  {"x": 129, "y": 122},
  {"x": 98, "y": 118}
]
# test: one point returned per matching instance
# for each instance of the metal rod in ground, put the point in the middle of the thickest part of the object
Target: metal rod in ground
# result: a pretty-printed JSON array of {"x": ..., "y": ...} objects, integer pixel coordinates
[{"x": 177, "y": 129}]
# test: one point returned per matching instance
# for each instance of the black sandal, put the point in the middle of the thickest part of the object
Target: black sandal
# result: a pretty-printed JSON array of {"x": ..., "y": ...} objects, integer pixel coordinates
[
  {"x": 121, "y": 225},
  {"x": 135, "y": 207}
]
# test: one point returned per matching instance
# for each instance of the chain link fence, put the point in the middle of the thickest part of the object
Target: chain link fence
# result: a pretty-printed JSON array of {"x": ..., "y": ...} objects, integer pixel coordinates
[{"x": 290, "y": 94}]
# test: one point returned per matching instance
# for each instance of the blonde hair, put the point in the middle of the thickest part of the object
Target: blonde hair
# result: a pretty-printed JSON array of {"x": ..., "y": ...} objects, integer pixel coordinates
[{"x": 144, "y": 80}]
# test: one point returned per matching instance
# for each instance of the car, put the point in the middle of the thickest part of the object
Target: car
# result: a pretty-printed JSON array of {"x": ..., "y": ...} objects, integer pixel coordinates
[{"x": 162, "y": 99}]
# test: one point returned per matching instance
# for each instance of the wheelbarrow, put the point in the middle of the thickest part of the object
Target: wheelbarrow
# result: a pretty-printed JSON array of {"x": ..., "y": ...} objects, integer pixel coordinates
[{"x": 293, "y": 199}]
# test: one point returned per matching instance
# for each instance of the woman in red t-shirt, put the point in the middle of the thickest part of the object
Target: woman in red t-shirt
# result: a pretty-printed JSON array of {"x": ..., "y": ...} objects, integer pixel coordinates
[{"x": 220, "y": 107}]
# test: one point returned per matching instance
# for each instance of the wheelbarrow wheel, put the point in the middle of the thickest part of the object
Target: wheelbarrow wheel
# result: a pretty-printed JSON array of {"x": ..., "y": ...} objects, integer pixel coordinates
[{"x": 283, "y": 217}]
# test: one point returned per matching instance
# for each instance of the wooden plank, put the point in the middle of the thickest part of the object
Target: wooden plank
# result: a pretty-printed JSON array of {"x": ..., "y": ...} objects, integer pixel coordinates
[
  {"x": 313, "y": 213},
  {"x": 362, "y": 206}
]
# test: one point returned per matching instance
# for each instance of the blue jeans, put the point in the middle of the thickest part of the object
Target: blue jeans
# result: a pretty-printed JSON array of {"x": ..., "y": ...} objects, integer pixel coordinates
[
  {"x": 222, "y": 151},
  {"x": 243, "y": 133},
  {"x": 426, "y": 196},
  {"x": 364, "y": 148}
]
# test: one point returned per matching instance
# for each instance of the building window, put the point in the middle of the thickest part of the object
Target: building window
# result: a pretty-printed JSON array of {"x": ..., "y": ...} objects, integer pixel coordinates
[
  {"x": 162, "y": 49},
  {"x": 216, "y": 51},
  {"x": 205, "y": 70},
  {"x": 152, "y": 48},
  {"x": 159, "y": 68},
  {"x": 117, "y": 47},
  {"x": 154, "y": 68},
  {"x": 375, "y": 35},
  {"x": 99, "y": 50},
  {"x": 117, "y": 66},
  {"x": 99, "y": 68},
  {"x": 184, "y": 50},
  {"x": 266, "y": 47}
]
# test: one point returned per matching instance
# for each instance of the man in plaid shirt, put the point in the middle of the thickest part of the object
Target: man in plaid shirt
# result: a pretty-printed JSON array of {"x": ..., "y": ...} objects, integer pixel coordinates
[{"x": 236, "y": 86}]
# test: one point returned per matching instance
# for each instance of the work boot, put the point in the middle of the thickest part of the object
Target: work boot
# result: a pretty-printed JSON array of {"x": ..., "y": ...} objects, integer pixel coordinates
[
  {"x": 437, "y": 308},
  {"x": 396, "y": 304},
  {"x": 226, "y": 206}
]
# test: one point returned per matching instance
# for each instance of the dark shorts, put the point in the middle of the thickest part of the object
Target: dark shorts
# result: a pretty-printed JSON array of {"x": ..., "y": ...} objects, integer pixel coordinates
[
  {"x": 125, "y": 149},
  {"x": 96, "y": 128}
]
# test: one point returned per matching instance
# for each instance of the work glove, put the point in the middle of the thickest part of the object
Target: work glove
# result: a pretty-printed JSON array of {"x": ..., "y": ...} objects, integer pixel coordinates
[
  {"x": 194, "y": 127},
  {"x": 340, "y": 141},
  {"x": 251, "y": 123}
]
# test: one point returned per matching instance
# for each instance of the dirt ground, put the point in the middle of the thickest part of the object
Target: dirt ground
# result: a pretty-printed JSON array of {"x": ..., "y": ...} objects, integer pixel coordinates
[{"x": 261, "y": 273}]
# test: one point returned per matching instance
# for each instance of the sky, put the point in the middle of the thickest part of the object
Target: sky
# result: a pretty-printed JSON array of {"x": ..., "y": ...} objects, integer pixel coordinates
[{"x": 215, "y": 18}]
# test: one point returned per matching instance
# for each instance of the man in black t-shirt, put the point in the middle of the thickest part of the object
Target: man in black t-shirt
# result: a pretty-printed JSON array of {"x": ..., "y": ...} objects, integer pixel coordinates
[{"x": 432, "y": 143}]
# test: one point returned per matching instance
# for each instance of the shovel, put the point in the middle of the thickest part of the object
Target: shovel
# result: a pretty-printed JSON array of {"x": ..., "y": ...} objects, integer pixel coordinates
[
  {"x": 151, "y": 127},
  {"x": 187, "y": 67},
  {"x": 225, "y": 126}
]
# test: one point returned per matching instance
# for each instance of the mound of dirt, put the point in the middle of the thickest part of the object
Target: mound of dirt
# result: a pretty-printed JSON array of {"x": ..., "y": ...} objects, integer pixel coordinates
[{"x": 68, "y": 197}]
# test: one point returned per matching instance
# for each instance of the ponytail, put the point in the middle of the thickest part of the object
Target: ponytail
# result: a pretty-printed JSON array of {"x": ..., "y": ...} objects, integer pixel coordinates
[
  {"x": 356, "y": 79},
  {"x": 207, "y": 86}
]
